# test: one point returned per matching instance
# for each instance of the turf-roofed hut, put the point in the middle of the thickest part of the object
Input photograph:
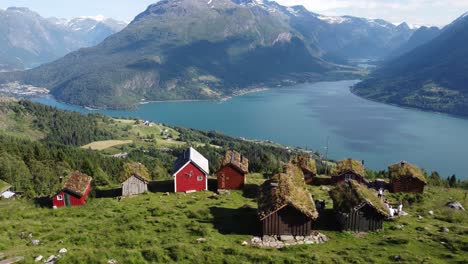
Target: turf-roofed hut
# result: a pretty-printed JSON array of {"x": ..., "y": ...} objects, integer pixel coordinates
[
  {"x": 406, "y": 177},
  {"x": 357, "y": 208},
  {"x": 234, "y": 168},
  {"x": 308, "y": 166},
  {"x": 74, "y": 192},
  {"x": 4, "y": 189},
  {"x": 348, "y": 169},
  {"x": 285, "y": 207},
  {"x": 135, "y": 179}
]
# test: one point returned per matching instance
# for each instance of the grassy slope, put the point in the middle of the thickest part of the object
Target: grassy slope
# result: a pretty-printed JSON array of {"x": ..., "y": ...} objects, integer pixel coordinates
[{"x": 157, "y": 228}]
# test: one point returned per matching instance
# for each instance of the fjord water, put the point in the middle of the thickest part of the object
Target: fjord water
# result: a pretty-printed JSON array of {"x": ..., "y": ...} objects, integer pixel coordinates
[{"x": 306, "y": 115}]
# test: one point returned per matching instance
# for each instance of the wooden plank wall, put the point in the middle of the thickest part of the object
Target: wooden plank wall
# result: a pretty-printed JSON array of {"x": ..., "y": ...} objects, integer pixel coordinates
[{"x": 287, "y": 221}]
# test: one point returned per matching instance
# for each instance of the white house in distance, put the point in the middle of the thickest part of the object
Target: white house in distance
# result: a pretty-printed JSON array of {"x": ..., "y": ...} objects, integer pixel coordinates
[
  {"x": 191, "y": 171},
  {"x": 5, "y": 190}
]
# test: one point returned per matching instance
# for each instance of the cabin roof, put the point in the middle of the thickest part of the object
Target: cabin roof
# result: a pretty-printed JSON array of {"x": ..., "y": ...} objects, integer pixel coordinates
[
  {"x": 305, "y": 162},
  {"x": 237, "y": 160},
  {"x": 4, "y": 186},
  {"x": 283, "y": 190},
  {"x": 77, "y": 183},
  {"x": 135, "y": 169},
  {"x": 347, "y": 165},
  {"x": 194, "y": 156},
  {"x": 351, "y": 194},
  {"x": 406, "y": 169}
]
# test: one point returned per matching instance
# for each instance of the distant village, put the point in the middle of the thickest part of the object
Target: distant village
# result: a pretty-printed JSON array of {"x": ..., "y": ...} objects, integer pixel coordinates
[{"x": 287, "y": 211}]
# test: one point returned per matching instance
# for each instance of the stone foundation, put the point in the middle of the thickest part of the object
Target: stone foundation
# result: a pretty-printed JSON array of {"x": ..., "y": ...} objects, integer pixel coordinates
[{"x": 287, "y": 240}]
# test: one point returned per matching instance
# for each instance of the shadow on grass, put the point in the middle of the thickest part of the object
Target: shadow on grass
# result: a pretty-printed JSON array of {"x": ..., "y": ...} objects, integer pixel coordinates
[
  {"x": 44, "y": 202},
  {"x": 327, "y": 221},
  {"x": 161, "y": 186},
  {"x": 241, "y": 221},
  {"x": 251, "y": 191}
]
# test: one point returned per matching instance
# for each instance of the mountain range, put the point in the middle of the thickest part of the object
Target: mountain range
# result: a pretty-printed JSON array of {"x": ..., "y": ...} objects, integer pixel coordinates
[
  {"x": 433, "y": 76},
  {"x": 208, "y": 49},
  {"x": 28, "y": 40}
]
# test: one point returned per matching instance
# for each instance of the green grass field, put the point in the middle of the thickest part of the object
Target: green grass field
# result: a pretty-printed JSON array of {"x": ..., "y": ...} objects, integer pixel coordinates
[{"x": 155, "y": 228}]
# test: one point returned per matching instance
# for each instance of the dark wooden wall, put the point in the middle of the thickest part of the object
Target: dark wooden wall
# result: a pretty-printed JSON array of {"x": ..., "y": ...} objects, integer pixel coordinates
[
  {"x": 407, "y": 184},
  {"x": 230, "y": 178},
  {"x": 287, "y": 221},
  {"x": 364, "y": 219},
  {"x": 342, "y": 177}
]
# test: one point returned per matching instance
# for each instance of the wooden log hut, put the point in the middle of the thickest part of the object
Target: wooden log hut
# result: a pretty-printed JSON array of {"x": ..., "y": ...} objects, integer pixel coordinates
[
  {"x": 285, "y": 207},
  {"x": 406, "y": 177},
  {"x": 75, "y": 191},
  {"x": 135, "y": 179},
  {"x": 357, "y": 208},
  {"x": 308, "y": 166},
  {"x": 348, "y": 169},
  {"x": 234, "y": 169}
]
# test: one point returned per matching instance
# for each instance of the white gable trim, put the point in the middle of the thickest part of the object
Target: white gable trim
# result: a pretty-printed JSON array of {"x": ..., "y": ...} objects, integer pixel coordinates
[{"x": 181, "y": 168}]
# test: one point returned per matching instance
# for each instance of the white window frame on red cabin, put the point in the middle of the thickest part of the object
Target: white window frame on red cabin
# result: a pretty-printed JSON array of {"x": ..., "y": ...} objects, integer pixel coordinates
[
  {"x": 199, "y": 178},
  {"x": 59, "y": 197}
]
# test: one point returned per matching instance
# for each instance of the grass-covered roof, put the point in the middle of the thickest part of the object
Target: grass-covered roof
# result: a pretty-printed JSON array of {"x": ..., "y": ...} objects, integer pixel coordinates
[
  {"x": 283, "y": 190},
  {"x": 305, "y": 162},
  {"x": 343, "y": 166},
  {"x": 237, "y": 160},
  {"x": 405, "y": 169},
  {"x": 77, "y": 183},
  {"x": 4, "y": 186},
  {"x": 351, "y": 194},
  {"x": 135, "y": 169}
]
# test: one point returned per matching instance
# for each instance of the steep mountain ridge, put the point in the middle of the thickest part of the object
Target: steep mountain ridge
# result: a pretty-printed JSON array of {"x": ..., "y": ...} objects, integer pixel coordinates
[
  {"x": 28, "y": 40},
  {"x": 432, "y": 76}
]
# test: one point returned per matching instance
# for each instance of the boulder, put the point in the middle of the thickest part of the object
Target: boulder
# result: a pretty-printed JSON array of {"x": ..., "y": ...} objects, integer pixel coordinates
[
  {"x": 51, "y": 260},
  {"x": 63, "y": 251},
  {"x": 35, "y": 242},
  {"x": 38, "y": 258},
  {"x": 420, "y": 217},
  {"x": 245, "y": 243},
  {"x": 286, "y": 238},
  {"x": 112, "y": 261},
  {"x": 397, "y": 227},
  {"x": 445, "y": 229},
  {"x": 456, "y": 205},
  {"x": 201, "y": 240},
  {"x": 256, "y": 240},
  {"x": 431, "y": 212}
]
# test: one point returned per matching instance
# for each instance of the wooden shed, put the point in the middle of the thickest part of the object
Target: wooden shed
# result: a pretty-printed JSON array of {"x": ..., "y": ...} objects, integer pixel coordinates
[
  {"x": 234, "y": 169},
  {"x": 191, "y": 171},
  {"x": 348, "y": 169},
  {"x": 308, "y": 166},
  {"x": 5, "y": 190},
  {"x": 406, "y": 177},
  {"x": 135, "y": 179},
  {"x": 357, "y": 208},
  {"x": 75, "y": 191},
  {"x": 285, "y": 207}
]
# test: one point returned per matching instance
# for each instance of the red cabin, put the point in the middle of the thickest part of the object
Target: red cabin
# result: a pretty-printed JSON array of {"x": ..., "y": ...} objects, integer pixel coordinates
[
  {"x": 75, "y": 191},
  {"x": 191, "y": 172},
  {"x": 232, "y": 174},
  {"x": 348, "y": 169}
]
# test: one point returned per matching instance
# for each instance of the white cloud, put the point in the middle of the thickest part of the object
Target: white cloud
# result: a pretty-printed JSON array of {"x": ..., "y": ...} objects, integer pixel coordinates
[{"x": 427, "y": 12}]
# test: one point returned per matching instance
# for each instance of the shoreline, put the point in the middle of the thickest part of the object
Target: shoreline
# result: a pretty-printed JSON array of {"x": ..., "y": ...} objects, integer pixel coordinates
[{"x": 222, "y": 99}]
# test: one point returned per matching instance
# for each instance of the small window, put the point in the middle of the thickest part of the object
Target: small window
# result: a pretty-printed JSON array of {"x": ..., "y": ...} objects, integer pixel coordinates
[
  {"x": 60, "y": 197},
  {"x": 199, "y": 178}
]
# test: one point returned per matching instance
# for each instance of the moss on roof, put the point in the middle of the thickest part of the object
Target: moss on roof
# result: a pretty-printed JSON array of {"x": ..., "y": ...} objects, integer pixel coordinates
[
  {"x": 343, "y": 166},
  {"x": 349, "y": 195},
  {"x": 77, "y": 183},
  {"x": 4, "y": 186},
  {"x": 305, "y": 162},
  {"x": 134, "y": 168},
  {"x": 283, "y": 190},
  {"x": 405, "y": 169},
  {"x": 237, "y": 160}
]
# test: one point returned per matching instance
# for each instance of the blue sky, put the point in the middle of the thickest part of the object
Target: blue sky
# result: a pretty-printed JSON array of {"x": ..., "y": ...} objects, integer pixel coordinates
[{"x": 416, "y": 12}]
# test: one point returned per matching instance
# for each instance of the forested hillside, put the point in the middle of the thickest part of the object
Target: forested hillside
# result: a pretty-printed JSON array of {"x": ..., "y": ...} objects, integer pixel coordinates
[{"x": 39, "y": 144}]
